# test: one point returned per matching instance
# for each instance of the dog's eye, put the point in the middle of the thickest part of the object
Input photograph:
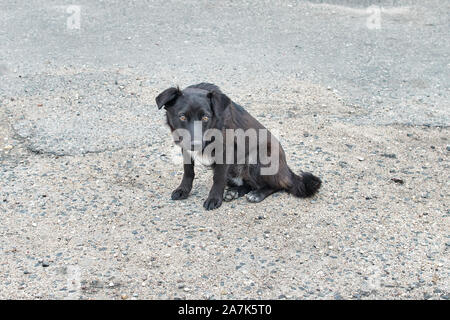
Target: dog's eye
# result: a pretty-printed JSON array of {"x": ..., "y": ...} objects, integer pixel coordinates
[
  {"x": 205, "y": 118},
  {"x": 183, "y": 117}
]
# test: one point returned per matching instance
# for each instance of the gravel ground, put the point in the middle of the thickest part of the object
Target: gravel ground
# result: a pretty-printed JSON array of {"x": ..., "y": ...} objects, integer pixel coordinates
[{"x": 87, "y": 164}]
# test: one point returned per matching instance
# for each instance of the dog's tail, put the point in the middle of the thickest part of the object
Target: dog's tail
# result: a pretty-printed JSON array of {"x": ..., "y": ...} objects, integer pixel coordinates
[{"x": 304, "y": 185}]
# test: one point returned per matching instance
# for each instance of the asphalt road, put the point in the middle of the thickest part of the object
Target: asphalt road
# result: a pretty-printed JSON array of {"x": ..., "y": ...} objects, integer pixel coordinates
[
  {"x": 84, "y": 148},
  {"x": 400, "y": 72}
]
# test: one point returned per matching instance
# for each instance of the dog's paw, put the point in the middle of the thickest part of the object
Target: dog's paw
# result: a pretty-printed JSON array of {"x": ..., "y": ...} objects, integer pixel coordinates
[
  {"x": 212, "y": 203},
  {"x": 231, "y": 194},
  {"x": 254, "y": 196},
  {"x": 179, "y": 194}
]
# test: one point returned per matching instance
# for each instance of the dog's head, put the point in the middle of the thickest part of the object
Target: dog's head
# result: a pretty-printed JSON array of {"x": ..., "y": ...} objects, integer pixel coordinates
[{"x": 193, "y": 110}]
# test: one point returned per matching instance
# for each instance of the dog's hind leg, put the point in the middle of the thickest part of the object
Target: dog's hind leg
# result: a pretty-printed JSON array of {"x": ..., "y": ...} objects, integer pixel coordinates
[{"x": 260, "y": 194}]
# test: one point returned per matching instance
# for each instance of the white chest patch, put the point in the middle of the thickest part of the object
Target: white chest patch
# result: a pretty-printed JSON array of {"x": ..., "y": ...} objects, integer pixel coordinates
[{"x": 201, "y": 158}]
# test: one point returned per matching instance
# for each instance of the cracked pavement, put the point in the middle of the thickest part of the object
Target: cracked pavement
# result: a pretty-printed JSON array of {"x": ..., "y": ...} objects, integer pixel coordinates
[{"x": 87, "y": 165}]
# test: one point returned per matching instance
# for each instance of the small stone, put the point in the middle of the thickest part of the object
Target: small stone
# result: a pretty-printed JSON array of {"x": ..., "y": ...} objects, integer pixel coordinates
[
  {"x": 111, "y": 284},
  {"x": 398, "y": 180},
  {"x": 360, "y": 158},
  {"x": 343, "y": 164},
  {"x": 124, "y": 297},
  {"x": 427, "y": 296},
  {"x": 337, "y": 296}
]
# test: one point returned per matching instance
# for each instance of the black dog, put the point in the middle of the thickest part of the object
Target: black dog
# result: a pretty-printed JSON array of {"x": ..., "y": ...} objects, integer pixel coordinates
[{"x": 206, "y": 105}]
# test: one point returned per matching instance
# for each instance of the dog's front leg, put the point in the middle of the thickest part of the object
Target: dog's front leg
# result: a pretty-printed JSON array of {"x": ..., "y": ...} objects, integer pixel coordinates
[
  {"x": 185, "y": 187},
  {"x": 216, "y": 193}
]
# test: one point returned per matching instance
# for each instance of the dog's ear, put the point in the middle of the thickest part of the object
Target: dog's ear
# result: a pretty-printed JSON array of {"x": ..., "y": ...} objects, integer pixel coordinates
[
  {"x": 167, "y": 96},
  {"x": 219, "y": 102}
]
